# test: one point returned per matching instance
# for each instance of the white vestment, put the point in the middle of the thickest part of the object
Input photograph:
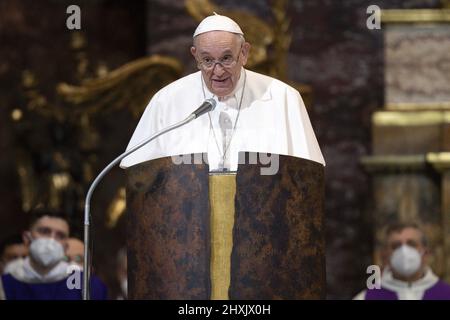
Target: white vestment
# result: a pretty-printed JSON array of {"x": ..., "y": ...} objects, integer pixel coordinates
[
  {"x": 272, "y": 119},
  {"x": 405, "y": 290},
  {"x": 22, "y": 270}
]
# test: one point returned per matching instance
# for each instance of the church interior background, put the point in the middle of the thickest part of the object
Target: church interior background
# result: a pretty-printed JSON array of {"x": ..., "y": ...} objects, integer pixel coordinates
[{"x": 379, "y": 102}]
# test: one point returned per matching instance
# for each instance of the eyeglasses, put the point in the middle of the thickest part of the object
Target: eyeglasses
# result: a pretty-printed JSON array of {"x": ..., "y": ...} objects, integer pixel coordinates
[{"x": 227, "y": 61}]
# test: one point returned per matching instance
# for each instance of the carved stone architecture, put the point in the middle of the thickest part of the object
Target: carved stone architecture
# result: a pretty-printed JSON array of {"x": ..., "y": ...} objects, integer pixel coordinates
[{"x": 411, "y": 137}]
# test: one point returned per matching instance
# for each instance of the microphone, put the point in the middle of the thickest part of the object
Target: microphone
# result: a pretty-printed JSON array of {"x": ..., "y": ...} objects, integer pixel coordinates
[{"x": 206, "y": 106}]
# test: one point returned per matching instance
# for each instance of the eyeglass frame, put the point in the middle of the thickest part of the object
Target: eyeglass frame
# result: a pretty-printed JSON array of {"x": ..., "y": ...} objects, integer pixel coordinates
[{"x": 215, "y": 62}]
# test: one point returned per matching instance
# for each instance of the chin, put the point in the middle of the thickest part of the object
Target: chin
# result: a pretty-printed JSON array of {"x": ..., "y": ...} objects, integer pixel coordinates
[
  {"x": 222, "y": 92},
  {"x": 222, "y": 89}
]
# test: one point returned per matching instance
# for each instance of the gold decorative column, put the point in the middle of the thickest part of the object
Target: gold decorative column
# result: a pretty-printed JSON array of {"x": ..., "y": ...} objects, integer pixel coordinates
[
  {"x": 222, "y": 191},
  {"x": 441, "y": 163}
]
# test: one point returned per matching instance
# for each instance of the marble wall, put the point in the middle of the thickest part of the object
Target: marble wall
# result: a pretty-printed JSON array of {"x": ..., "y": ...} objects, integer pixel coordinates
[{"x": 417, "y": 63}]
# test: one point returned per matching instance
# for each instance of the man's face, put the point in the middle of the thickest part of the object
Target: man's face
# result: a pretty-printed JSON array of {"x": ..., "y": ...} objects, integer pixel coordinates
[
  {"x": 14, "y": 251},
  {"x": 48, "y": 227},
  {"x": 409, "y": 236},
  {"x": 220, "y": 45},
  {"x": 75, "y": 251}
]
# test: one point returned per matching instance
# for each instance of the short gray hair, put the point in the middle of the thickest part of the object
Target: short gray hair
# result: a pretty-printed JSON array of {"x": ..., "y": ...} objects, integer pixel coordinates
[{"x": 400, "y": 226}]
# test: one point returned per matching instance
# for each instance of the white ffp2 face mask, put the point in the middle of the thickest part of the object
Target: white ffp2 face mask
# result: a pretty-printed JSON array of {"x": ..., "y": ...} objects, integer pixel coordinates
[
  {"x": 406, "y": 260},
  {"x": 46, "y": 251}
]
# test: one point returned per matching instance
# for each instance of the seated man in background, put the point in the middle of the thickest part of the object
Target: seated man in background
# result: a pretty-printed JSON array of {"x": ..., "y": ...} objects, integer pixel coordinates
[
  {"x": 75, "y": 252},
  {"x": 406, "y": 275},
  {"x": 11, "y": 248},
  {"x": 44, "y": 275}
]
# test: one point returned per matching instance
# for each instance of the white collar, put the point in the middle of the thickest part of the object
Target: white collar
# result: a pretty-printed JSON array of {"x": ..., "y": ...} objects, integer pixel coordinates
[
  {"x": 389, "y": 282},
  {"x": 22, "y": 270}
]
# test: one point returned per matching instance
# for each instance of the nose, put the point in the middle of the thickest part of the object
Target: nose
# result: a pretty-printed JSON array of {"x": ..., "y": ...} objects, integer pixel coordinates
[{"x": 218, "y": 70}]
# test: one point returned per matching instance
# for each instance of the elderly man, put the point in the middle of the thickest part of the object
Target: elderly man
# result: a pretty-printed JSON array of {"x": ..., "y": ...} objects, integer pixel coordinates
[
  {"x": 43, "y": 275},
  {"x": 407, "y": 275},
  {"x": 254, "y": 112}
]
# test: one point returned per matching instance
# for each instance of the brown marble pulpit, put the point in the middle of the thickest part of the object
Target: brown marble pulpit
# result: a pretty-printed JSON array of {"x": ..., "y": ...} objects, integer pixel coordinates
[{"x": 277, "y": 231}]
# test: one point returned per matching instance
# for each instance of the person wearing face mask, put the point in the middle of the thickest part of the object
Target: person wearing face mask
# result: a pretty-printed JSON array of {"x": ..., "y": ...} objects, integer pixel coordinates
[
  {"x": 406, "y": 275},
  {"x": 11, "y": 248},
  {"x": 44, "y": 274},
  {"x": 75, "y": 252}
]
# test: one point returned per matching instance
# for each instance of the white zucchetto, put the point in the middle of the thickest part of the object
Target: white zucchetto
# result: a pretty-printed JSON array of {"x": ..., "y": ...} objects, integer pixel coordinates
[{"x": 217, "y": 22}]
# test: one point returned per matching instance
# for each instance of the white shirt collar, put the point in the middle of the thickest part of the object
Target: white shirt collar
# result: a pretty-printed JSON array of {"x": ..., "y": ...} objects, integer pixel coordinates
[
  {"x": 424, "y": 283},
  {"x": 22, "y": 270}
]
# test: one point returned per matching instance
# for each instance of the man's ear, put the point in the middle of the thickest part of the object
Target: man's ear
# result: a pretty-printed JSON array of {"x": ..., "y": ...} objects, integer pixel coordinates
[
  {"x": 26, "y": 238},
  {"x": 193, "y": 51},
  {"x": 245, "y": 52}
]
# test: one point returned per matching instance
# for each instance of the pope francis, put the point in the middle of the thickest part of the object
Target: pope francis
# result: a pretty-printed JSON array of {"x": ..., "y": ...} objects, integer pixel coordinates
[{"x": 254, "y": 112}]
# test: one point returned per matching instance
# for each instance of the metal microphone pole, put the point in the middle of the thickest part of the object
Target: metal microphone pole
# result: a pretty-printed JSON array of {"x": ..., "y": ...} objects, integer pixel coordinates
[{"x": 87, "y": 262}]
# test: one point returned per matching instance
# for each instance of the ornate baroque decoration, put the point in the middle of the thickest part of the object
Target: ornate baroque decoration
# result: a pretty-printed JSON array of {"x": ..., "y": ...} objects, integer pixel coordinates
[
  {"x": 58, "y": 138},
  {"x": 59, "y": 142}
]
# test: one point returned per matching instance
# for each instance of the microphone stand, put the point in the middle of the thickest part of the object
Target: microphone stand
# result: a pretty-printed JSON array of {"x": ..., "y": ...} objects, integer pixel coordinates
[{"x": 86, "y": 265}]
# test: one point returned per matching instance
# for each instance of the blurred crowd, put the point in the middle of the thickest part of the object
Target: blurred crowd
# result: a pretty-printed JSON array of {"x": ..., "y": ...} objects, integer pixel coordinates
[{"x": 46, "y": 263}]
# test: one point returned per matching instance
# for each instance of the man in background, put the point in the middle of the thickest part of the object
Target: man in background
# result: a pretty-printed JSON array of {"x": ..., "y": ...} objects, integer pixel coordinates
[
  {"x": 11, "y": 248},
  {"x": 44, "y": 274},
  {"x": 75, "y": 252},
  {"x": 407, "y": 275}
]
